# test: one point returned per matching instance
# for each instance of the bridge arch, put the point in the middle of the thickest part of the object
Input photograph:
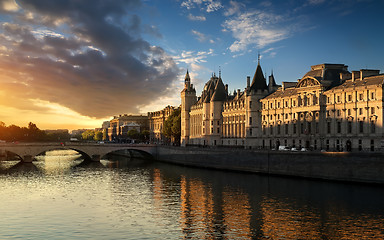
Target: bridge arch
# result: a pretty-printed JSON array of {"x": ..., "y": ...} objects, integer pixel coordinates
[{"x": 92, "y": 151}]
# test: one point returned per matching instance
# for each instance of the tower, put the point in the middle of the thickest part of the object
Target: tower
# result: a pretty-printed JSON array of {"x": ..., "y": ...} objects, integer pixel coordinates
[
  {"x": 188, "y": 98},
  {"x": 256, "y": 91}
]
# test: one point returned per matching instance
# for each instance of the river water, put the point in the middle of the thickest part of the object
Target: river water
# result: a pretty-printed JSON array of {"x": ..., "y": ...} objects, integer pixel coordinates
[{"x": 61, "y": 197}]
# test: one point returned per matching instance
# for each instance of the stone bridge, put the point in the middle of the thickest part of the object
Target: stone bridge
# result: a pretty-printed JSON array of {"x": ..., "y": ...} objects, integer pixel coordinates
[{"x": 93, "y": 151}]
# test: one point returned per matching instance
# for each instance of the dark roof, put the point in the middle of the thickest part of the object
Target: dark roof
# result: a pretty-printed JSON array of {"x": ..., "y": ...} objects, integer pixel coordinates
[
  {"x": 220, "y": 94},
  {"x": 272, "y": 81},
  {"x": 258, "y": 82},
  {"x": 373, "y": 80}
]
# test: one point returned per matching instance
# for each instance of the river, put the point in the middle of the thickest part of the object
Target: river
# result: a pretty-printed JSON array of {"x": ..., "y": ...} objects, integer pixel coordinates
[{"x": 60, "y": 197}]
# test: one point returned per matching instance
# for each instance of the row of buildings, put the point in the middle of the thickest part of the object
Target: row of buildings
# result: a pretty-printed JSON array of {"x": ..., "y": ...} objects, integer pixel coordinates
[
  {"x": 117, "y": 129},
  {"x": 329, "y": 108}
]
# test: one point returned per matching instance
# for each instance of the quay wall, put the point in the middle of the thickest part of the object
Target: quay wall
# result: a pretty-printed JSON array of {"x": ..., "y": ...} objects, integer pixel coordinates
[{"x": 341, "y": 166}]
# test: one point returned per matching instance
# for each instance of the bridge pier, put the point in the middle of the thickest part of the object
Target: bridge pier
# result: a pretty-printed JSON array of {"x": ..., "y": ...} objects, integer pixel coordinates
[
  {"x": 27, "y": 159},
  {"x": 95, "y": 158}
]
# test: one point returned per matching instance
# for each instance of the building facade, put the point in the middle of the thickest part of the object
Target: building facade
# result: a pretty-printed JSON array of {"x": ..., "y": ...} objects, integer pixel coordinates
[
  {"x": 120, "y": 125},
  {"x": 329, "y": 108},
  {"x": 156, "y": 123}
]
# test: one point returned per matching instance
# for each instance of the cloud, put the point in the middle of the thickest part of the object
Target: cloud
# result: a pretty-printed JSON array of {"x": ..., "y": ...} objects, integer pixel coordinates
[
  {"x": 235, "y": 8},
  {"x": 201, "y": 36},
  {"x": 88, "y": 56},
  {"x": 194, "y": 59},
  {"x": 205, "y": 5},
  {"x": 196, "y": 18},
  {"x": 256, "y": 28}
]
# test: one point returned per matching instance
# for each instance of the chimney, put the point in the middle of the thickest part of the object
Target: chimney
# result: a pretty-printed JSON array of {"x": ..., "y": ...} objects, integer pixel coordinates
[
  {"x": 226, "y": 88},
  {"x": 355, "y": 75},
  {"x": 248, "y": 81},
  {"x": 368, "y": 72},
  {"x": 238, "y": 93}
]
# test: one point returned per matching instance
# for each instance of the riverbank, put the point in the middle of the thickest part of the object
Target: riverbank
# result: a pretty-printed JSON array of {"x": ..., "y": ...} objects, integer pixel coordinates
[{"x": 339, "y": 166}]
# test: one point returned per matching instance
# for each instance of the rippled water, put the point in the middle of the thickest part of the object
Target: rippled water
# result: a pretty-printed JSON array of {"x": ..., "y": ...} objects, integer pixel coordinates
[{"x": 59, "y": 197}]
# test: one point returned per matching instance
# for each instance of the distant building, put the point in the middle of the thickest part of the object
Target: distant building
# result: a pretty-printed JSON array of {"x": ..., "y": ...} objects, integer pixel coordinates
[
  {"x": 120, "y": 125},
  {"x": 156, "y": 123},
  {"x": 329, "y": 108}
]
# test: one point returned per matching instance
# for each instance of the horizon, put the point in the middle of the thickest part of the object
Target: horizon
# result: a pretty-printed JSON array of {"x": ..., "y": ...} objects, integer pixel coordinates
[{"x": 81, "y": 63}]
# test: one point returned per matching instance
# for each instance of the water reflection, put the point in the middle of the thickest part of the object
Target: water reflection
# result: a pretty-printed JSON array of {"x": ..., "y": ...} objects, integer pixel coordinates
[{"x": 125, "y": 198}]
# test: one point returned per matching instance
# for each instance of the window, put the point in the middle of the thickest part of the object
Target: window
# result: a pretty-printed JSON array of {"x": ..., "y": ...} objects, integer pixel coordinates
[
  {"x": 301, "y": 128},
  {"x": 372, "y": 95},
  {"x": 373, "y": 127},
  {"x": 286, "y": 116},
  {"x": 361, "y": 126},
  {"x": 349, "y": 98},
  {"x": 271, "y": 105},
  {"x": 338, "y": 99},
  {"x": 338, "y": 127},
  {"x": 349, "y": 111},
  {"x": 360, "y": 96},
  {"x": 317, "y": 127},
  {"x": 218, "y": 130},
  {"x": 349, "y": 127},
  {"x": 360, "y": 111},
  {"x": 278, "y": 105},
  {"x": 372, "y": 110},
  {"x": 286, "y": 129},
  {"x": 328, "y": 127},
  {"x": 250, "y": 131},
  {"x": 278, "y": 129},
  {"x": 338, "y": 113},
  {"x": 270, "y": 129},
  {"x": 294, "y": 128}
]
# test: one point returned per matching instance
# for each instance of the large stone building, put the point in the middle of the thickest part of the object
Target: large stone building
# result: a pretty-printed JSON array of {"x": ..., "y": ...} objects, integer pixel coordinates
[
  {"x": 327, "y": 109},
  {"x": 120, "y": 125},
  {"x": 156, "y": 123}
]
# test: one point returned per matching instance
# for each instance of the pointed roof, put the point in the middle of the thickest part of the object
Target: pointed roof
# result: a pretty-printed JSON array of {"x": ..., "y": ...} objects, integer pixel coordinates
[
  {"x": 220, "y": 94},
  {"x": 272, "y": 81},
  {"x": 187, "y": 76},
  {"x": 258, "y": 82}
]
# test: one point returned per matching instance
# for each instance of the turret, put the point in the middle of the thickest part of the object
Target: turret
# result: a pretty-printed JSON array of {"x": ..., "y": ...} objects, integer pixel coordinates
[{"x": 188, "y": 99}]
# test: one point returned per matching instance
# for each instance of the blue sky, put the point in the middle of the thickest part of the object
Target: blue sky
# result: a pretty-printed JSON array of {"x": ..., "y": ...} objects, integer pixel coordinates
[{"x": 73, "y": 64}]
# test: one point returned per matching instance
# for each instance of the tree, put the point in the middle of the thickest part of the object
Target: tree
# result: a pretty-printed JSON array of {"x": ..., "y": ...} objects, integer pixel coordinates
[
  {"x": 133, "y": 134},
  {"x": 144, "y": 135},
  {"x": 172, "y": 127},
  {"x": 98, "y": 136},
  {"x": 88, "y": 135}
]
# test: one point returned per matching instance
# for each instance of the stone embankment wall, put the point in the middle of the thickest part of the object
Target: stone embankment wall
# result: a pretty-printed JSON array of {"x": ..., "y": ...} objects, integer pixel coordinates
[{"x": 357, "y": 167}]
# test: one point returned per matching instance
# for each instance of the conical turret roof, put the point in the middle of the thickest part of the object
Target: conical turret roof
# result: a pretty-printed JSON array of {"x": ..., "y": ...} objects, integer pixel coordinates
[{"x": 259, "y": 82}]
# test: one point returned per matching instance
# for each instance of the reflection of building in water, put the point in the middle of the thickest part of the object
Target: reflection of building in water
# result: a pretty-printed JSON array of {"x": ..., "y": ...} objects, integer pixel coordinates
[
  {"x": 236, "y": 215},
  {"x": 197, "y": 209},
  {"x": 328, "y": 108},
  {"x": 282, "y": 220}
]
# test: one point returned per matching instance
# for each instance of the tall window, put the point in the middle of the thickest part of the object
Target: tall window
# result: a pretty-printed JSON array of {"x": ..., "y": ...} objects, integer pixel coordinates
[
  {"x": 286, "y": 129},
  {"x": 373, "y": 127},
  {"x": 372, "y": 110},
  {"x": 349, "y": 127},
  {"x": 250, "y": 120},
  {"x": 361, "y": 126},
  {"x": 294, "y": 128},
  {"x": 328, "y": 127},
  {"x": 278, "y": 129},
  {"x": 338, "y": 127}
]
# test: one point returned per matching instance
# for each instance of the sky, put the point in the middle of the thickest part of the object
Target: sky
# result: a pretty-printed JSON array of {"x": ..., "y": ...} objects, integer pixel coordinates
[{"x": 74, "y": 64}]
